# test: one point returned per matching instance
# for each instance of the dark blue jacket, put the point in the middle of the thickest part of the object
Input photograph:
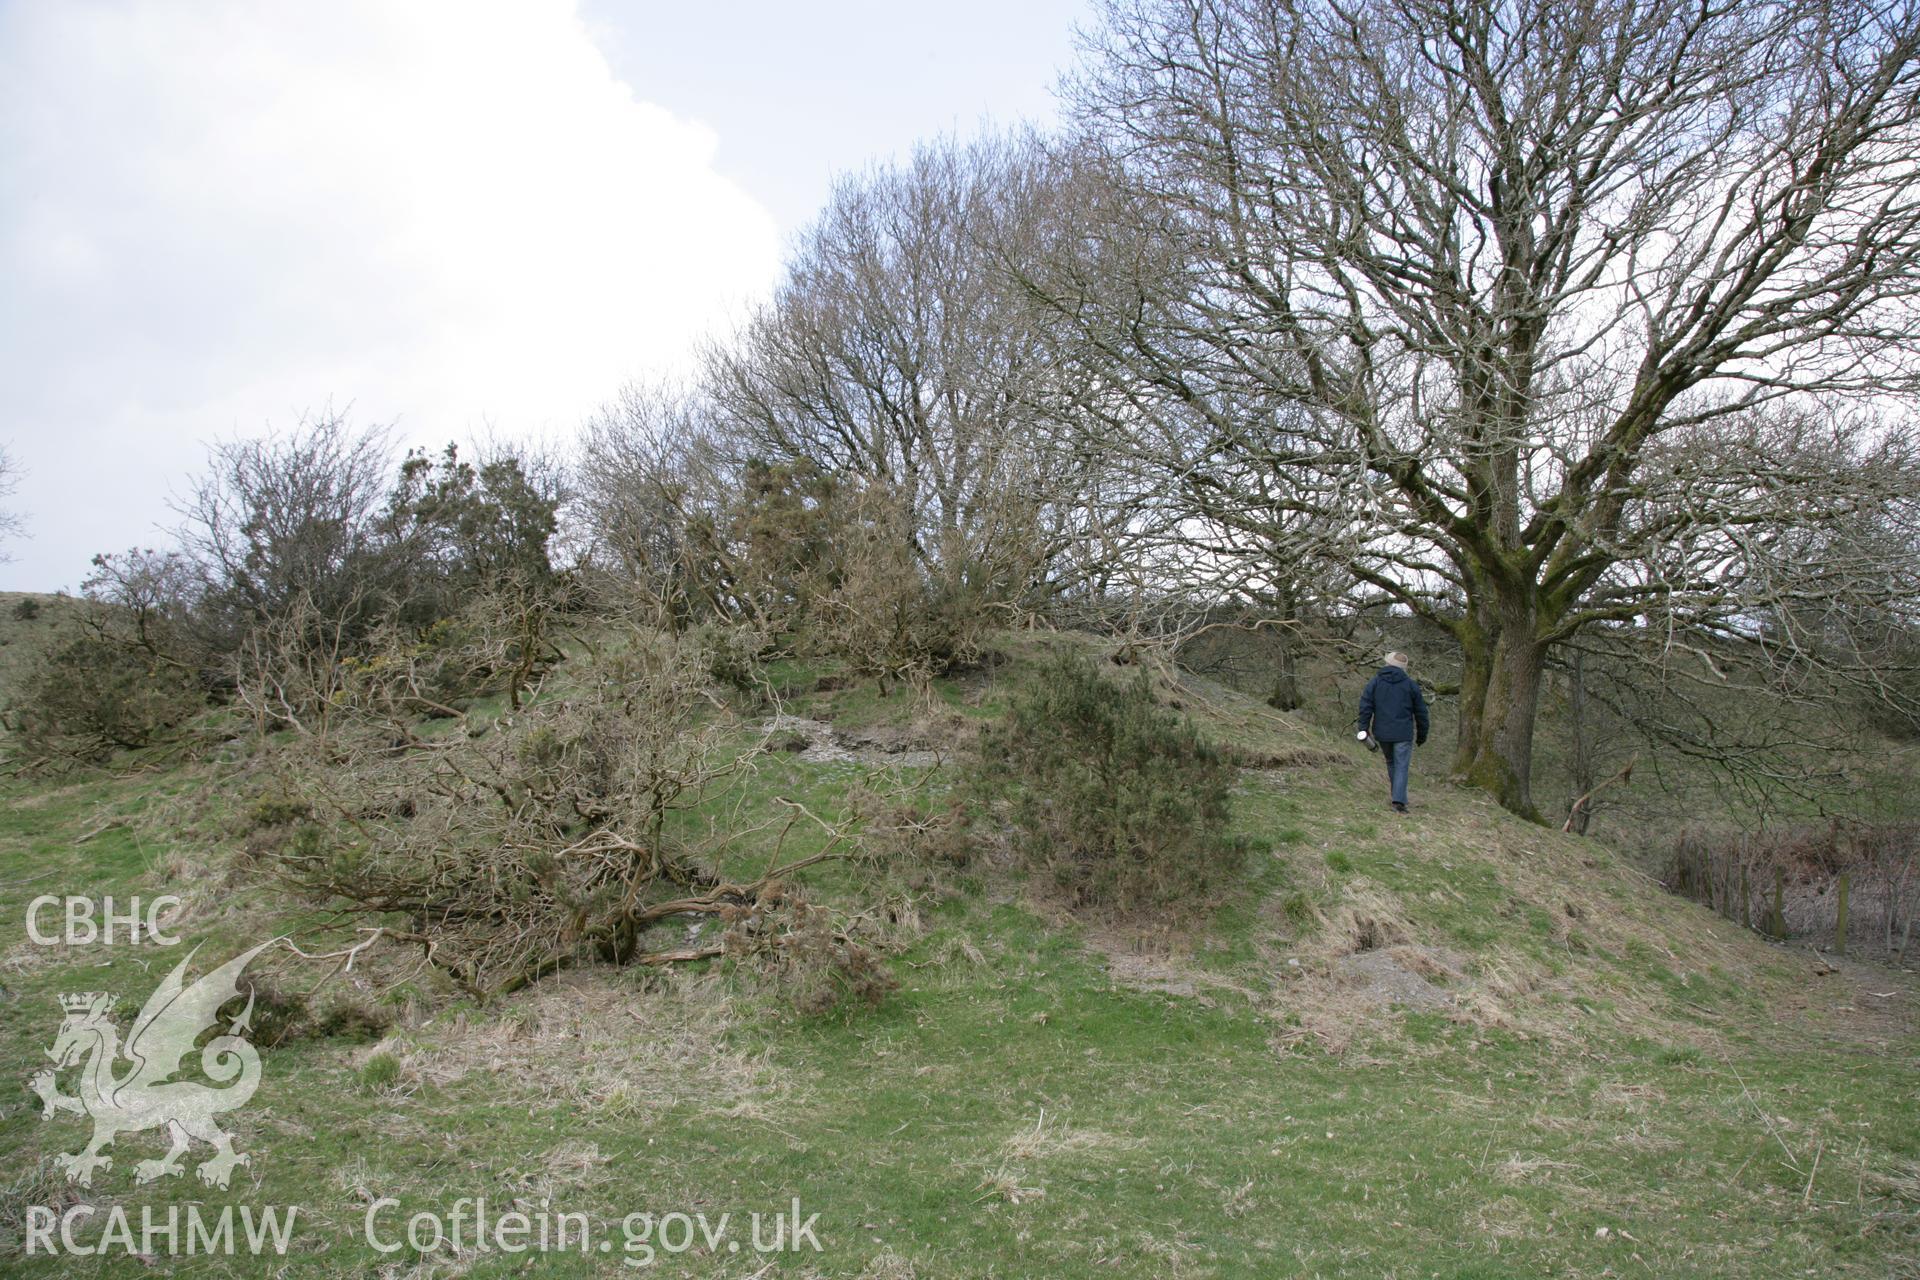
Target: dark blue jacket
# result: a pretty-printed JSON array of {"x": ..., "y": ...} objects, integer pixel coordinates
[{"x": 1393, "y": 708}]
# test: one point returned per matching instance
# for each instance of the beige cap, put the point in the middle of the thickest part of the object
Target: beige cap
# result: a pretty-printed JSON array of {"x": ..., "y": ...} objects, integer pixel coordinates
[{"x": 1397, "y": 659}]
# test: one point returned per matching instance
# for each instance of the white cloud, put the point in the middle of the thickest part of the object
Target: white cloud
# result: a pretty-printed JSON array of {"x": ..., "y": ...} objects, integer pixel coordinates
[{"x": 217, "y": 215}]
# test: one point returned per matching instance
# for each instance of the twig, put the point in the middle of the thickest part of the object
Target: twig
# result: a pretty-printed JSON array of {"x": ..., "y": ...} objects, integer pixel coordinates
[
  {"x": 102, "y": 829},
  {"x": 679, "y": 956},
  {"x": 350, "y": 953},
  {"x": 1765, "y": 1119}
]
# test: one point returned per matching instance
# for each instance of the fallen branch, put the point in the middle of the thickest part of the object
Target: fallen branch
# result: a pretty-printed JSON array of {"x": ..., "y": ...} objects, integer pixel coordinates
[{"x": 1625, "y": 775}]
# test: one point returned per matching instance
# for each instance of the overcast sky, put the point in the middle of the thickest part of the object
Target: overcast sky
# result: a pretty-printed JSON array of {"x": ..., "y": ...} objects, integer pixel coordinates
[{"x": 448, "y": 214}]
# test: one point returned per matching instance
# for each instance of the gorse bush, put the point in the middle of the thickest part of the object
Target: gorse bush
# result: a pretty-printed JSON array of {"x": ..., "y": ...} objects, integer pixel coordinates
[
  {"x": 300, "y": 550},
  {"x": 1117, "y": 796},
  {"x": 827, "y": 566},
  {"x": 303, "y": 556},
  {"x": 879, "y": 612},
  {"x": 119, "y": 669},
  {"x": 93, "y": 695}
]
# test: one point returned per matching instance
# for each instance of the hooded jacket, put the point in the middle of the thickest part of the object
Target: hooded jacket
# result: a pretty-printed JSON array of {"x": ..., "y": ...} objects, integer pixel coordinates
[{"x": 1392, "y": 708}]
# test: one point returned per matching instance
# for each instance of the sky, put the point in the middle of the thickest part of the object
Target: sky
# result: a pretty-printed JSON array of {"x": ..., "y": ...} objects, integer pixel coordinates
[{"x": 459, "y": 217}]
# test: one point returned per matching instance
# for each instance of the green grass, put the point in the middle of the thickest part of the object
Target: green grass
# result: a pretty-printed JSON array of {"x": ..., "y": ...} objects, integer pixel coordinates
[{"x": 1630, "y": 1086}]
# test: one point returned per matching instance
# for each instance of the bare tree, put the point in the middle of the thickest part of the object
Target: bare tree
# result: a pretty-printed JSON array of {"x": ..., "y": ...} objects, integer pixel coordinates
[
  {"x": 654, "y": 492},
  {"x": 900, "y": 352},
  {"x": 284, "y": 520},
  {"x": 1507, "y": 302},
  {"x": 149, "y": 596},
  {"x": 10, "y": 522}
]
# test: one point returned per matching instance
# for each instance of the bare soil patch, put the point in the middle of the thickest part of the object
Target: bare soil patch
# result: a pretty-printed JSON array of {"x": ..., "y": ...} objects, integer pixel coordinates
[
  {"x": 818, "y": 742},
  {"x": 1385, "y": 978}
]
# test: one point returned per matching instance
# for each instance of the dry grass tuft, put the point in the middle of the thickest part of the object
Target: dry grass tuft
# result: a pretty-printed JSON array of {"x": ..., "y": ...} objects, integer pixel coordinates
[
  {"x": 1045, "y": 1140},
  {"x": 1367, "y": 918},
  {"x": 1522, "y": 1167},
  {"x": 888, "y": 1265},
  {"x": 1503, "y": 1218},
  {"x": 1898, "y": 1180},
  {"x": 436, "y": 1266},
  {"x": 27, "y": 956},
  {"x": 356, "y": 1180},
  {"x": 1007, "y": 1184},
  {"x": 1633, "y": 1098},
  {"x": 36, "y": 1184},
  {"x": 574, "y": 1160},
  {"x": 1006, "y": 1177},
  {"x": 1279, "y": 760},
  {"x": 555, "y": 1175},
  {"x": 599, "y": 1043}
]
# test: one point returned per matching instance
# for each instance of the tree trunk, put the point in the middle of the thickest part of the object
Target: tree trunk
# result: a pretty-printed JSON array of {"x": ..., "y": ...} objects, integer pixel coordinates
[
  {"x": 1501, "y": 756},
  {"x": 1476, "y": 672},
  {"x": 1286, "y": 685}
]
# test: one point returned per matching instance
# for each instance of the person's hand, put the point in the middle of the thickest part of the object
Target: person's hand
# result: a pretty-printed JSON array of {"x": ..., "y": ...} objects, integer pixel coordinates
[{"x": 1420, "y": 741}]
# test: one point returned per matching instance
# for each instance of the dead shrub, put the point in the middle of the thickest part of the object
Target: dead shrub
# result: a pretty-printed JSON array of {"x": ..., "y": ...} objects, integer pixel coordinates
[
  {"x": 563, "y": 832},
  {"x": 917, "y": 830},
  {"x": 820, "y": 967}
]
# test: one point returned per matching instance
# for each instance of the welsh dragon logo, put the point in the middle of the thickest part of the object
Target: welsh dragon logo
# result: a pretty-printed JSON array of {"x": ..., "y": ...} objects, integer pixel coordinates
[{"x": 142, "y": 1095}]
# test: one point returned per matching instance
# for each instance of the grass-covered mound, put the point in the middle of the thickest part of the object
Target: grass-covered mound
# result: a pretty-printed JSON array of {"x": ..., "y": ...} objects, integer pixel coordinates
[{"x": 1452, "y": 1044}]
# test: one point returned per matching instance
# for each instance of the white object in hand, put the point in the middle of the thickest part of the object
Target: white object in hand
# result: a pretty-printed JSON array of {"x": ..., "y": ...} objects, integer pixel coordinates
[{"x": 1360, "y": 736}]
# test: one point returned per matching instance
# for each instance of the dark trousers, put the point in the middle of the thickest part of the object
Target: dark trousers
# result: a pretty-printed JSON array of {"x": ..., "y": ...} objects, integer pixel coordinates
[{"x": 1399, "y": 758}]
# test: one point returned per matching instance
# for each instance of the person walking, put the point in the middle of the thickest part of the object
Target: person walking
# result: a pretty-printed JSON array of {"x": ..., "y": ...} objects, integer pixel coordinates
[{"x": 1394, "y": 712}]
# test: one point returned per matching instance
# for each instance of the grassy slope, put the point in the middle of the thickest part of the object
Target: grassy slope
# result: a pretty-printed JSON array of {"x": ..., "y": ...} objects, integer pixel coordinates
[
  {"x": 1617, "y": 1084},
  {"x": 1843, "y": 764},
  {"x": 21, "y": 639}
]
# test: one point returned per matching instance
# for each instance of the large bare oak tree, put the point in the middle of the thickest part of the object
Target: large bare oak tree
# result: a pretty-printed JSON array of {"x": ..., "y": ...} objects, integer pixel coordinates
[{"x": 1536, "y": 316}]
